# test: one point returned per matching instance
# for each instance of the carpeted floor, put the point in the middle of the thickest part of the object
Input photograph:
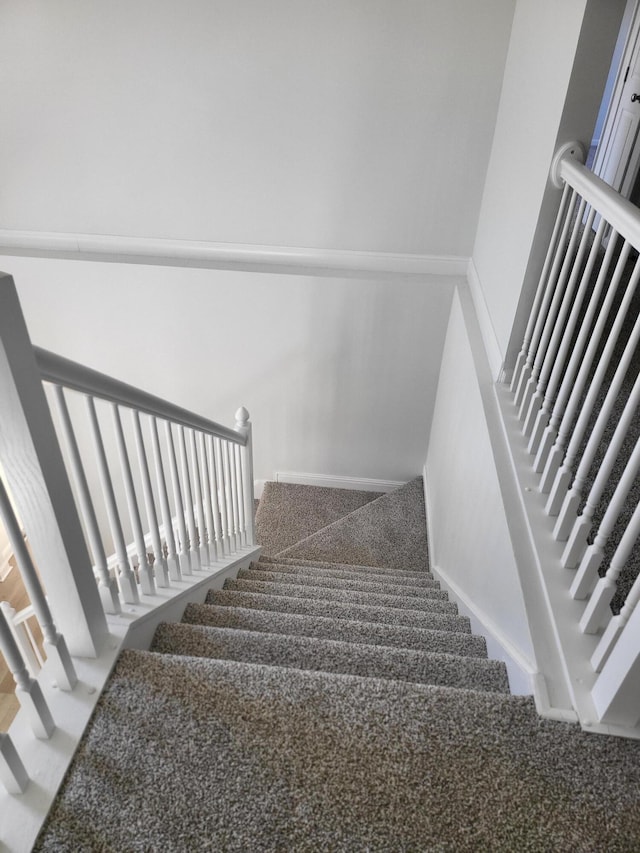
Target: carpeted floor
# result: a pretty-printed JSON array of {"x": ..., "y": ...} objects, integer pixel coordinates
[{"x": 331, "y": 706}]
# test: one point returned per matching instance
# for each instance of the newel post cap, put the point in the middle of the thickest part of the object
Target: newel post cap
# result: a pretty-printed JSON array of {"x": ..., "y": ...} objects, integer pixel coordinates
[{"x": 242, "y": 418}]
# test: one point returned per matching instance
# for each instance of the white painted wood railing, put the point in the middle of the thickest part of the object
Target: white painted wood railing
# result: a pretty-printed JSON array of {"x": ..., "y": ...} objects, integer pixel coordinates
[
  {"x": 207, "y": 512},
  {"x": 568, "y": 390},
  {"x": 123, "y": 496}
]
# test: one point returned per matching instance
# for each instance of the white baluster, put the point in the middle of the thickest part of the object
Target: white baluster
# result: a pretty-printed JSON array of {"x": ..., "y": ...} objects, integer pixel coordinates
[
  {"x": 243, "y": 426},
  {"x": 615, "y": 628},
  {"x": 107, "y": 586},
  {"x": 24, "y": 641},
  {"x": 569, "y": 508},
  {"x": 562, "y": 381},
  {"x": 543, "y": 289},
  {"x": 218, "y": 474},
  {"x": 577, "y": 540},
  {"x": 532, "y": 397},
  {"x": 194, "y": 552},
  {"x": 558, "y": 349},
  {"x": 126, "y": 578},
  {"x": 205, "y": 559},
  {"x": 206, "y": 489},
  {"x": 543, "y": 297},
  {"x": 234, "y": 494},
  {"x": 167, "y": 522},
  {"x": 587, "y": 574},
  {"x": 226, "y": 467},
  {"x": 597, "y": 608},
  {"x": 28, "y": 691},
  {"x": 13, "y": 774},
  {"x": 147, "y": 583},
  {"x": 561, "y": 483},
  {"x": 55, "y": 646},
  {"x": 160, "y": 563},
  {"x": 183, "y": 544},
  {"x": 213, "y": 487},
  {"x": 242, "y": 534}
]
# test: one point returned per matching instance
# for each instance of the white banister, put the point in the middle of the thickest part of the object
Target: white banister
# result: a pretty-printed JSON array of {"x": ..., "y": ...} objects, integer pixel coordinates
[
  {"x": 145, "y": 571},
  {"x": 218, "y": 475},
  {"x": 183, "y": 539},
  {"x": 560, "y": 333},
  {"x": 170, "y": 555},
  {"x": 532, "y": 397},
  {"x": 28, "y": 691},
  {"x": 62, "y": 371},
  {"x": 107, "y": 586},
  {"x": 561, "y": 482},
  {"x": 54, "y": 643},
  {"x": 522, "y": 369},
  {"x": 229, "y": 491},
  {"x": 126, "y": 578},
  {"x": 615, "y": 628}
]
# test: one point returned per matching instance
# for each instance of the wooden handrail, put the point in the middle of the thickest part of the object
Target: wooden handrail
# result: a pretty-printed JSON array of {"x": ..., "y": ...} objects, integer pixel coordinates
[{"x": 63, "y": 371}]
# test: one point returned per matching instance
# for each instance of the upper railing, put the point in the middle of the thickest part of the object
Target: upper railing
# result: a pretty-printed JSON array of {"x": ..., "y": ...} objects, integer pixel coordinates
[
  {"x": 120, "y": 494},
  {"x": 576, "y": 391}
]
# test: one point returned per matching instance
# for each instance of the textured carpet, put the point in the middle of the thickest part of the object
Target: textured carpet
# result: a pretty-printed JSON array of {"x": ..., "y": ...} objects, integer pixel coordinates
[
  {"x": 389, "y": 531},
  {"x": 289, "y": 512},
  {"x": 329, "y": 707}
]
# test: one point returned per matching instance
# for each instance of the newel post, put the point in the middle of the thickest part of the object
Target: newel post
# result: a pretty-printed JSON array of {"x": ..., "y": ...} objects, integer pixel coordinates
[
  {"x": 35, "y": 473},
  {"x": 243, "y": 427}
]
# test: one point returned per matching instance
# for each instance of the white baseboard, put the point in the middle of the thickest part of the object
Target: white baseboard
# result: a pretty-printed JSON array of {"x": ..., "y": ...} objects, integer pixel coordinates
[
  {"x": 361, "y": 484},
  {"x": 258, "y": 488}
]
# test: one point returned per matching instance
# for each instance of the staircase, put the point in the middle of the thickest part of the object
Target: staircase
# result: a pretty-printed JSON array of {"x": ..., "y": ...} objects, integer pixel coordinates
[{"x": 319, "y": 703}]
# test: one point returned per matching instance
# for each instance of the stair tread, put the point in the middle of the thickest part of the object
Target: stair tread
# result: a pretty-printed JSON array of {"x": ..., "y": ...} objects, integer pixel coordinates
[
  {"x": 330, "y": 655},
  {"x": 376, "y": 599},
  {"x": 342, "y": 610},
  {"x": 240, "y": 756},
  {"x": 346, "y": 580},
  {"x": 324, "y": 564},
  {"x": 323, "y": 626}
]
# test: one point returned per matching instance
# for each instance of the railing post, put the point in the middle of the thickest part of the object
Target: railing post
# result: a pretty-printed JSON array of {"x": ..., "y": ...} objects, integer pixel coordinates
[
  {"x": 243, "y": 426},
  {"x": 36, "y": 476}
]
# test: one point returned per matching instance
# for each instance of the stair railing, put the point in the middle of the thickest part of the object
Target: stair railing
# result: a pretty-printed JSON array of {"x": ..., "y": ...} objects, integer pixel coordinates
[
  {"x": 569, "y": 385},
  {"x": 120, "y": 493}
]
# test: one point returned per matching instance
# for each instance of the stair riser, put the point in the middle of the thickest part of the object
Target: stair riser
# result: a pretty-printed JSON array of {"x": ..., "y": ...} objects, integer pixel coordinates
[
  {"x": 349, "y": 573},
  {"x": 430, "y": 590},
  {"x": 321, "y": 564},
  {"x": 325, "y": 627},
  {"x": 384, "y": 615},
  {"x": 351, "y": 596},
  {"x": 331, "y": 656}
]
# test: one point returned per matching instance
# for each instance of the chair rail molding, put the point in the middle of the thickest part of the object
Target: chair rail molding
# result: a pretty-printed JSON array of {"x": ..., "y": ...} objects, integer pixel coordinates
[{"x": 212, "y": 255}]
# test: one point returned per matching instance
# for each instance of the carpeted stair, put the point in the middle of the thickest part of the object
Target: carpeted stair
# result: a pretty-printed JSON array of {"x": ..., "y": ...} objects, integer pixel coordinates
[{"x": 323, "y": 704}]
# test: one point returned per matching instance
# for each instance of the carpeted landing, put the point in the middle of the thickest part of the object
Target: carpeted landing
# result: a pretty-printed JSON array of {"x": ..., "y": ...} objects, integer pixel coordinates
[{"x": 327, "y": 705}]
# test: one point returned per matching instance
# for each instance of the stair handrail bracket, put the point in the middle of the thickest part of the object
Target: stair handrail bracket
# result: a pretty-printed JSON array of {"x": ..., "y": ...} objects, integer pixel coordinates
[{"x": 570, "y": 390}]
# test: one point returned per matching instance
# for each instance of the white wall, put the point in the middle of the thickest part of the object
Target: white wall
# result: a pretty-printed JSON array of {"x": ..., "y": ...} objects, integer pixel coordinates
[
  {"x": 556, "y": 69},
  {"x": 470, "y": 543},
  {"x": 354, "y": 124},
  {"x": 339, "y": 375}
]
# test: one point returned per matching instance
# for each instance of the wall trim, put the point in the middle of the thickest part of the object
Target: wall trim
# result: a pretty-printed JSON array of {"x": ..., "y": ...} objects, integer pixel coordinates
[
  {"x": 192, "y": 253},
  {"x": 361, "y": 484},
  {"x": 489, "y": 337}
]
